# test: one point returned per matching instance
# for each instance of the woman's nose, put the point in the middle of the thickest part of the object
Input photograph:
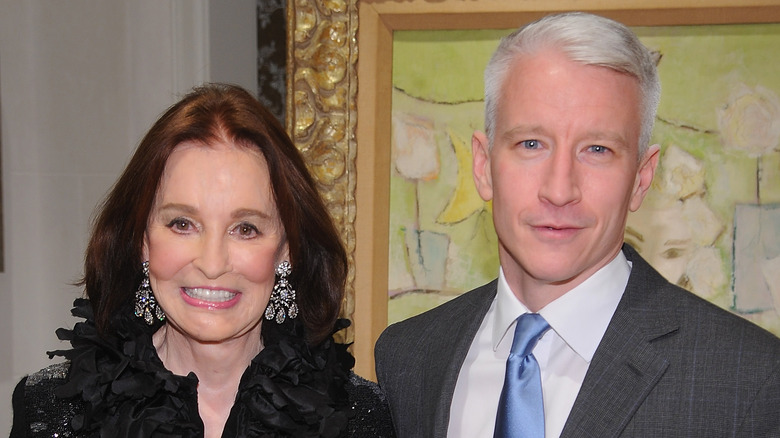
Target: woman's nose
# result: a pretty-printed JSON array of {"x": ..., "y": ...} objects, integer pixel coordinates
[{"x": 214, "y": 257}]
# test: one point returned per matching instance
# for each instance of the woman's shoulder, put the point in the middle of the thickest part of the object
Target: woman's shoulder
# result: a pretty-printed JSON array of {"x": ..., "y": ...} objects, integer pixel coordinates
[
  {"x": 371, "y": 413},
  {"x": 37, "y": 411},
  {"x": 37, "y": 389},
  {"x": 56, "y": 373}
]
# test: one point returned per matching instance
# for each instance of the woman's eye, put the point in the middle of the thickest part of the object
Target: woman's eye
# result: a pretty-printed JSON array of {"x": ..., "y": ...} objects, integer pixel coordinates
[
  {"x": 246, "y": 230},
  {"x": 180, "y": 224}
]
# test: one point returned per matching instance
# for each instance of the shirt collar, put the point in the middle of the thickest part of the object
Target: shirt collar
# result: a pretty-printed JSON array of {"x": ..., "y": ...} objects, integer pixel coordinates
[{"x": 580, "y": 317}]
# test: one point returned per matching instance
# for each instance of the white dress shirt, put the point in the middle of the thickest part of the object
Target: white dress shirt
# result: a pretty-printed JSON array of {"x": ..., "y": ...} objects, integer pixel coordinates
[{"x": 578, "y": 320}]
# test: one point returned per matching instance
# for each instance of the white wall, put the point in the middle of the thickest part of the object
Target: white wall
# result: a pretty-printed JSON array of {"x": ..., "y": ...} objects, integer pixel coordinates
[{"x": 80, "y": 82}]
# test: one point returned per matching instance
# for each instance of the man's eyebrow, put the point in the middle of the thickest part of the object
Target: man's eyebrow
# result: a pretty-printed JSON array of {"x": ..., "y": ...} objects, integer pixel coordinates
[
  {"x": 539, "y": 130},
  {"x": 606, "y": 135},
  {"x": 524, "y": 129}
]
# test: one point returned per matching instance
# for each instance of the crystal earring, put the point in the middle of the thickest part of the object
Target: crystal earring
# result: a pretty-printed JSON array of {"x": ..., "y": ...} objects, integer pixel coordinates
[
  {"x": 282, "y": 297},
  {"x": 146, "y": 306}
]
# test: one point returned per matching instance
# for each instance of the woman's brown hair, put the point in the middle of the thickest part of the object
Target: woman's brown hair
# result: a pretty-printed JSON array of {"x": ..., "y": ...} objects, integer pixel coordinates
[{"x": 112, "y": 269}]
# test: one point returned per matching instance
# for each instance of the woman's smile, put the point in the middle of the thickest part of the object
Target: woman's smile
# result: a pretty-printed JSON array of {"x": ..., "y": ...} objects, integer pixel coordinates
[{"x": 206, "y": 294}]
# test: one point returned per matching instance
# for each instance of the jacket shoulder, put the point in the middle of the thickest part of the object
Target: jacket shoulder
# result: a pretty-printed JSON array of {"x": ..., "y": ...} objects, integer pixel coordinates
[
  {"x": 444, "y": 331},
  {"x": 652, "y": 298},
  {"x": 441, "y": 319},
  {"x": 37, "y": 411}
]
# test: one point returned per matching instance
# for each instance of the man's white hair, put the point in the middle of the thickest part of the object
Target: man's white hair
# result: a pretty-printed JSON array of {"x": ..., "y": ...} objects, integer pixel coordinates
[{"x": 585, "y": 38}]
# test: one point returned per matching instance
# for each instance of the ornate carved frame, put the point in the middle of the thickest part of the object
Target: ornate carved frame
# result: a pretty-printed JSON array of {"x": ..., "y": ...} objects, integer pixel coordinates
[
  {"x": 323, "y": 105},
  {"x": 321, "y": 113}
]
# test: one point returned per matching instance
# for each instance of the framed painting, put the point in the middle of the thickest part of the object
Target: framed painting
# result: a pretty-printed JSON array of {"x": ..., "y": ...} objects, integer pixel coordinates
[{"x": 343, "y": 112}]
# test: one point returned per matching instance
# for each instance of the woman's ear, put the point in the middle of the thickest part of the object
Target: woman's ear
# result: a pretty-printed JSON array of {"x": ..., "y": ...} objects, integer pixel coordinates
[
  {"x": 284, "y": 253},
  {"x": 145, "y": 248}
]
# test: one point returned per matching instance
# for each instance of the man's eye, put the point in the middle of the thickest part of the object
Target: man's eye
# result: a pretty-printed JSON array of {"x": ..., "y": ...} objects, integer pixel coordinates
[
  {"x": 530, "y": 144},
  {"x": 599, "y": 149}
]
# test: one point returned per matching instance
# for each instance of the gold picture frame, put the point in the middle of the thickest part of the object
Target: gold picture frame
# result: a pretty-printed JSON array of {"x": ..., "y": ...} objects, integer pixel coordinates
[{"x": 338, "y": 107}]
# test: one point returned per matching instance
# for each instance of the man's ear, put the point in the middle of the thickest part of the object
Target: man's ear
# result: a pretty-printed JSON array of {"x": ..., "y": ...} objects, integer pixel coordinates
[
  {"x": 480, "y": 152},
  {"x": 644, "y": 176}
]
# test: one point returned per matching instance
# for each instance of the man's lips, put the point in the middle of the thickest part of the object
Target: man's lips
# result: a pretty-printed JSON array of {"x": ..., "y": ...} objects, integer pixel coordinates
[
  {"x": 556, "y": 231},
  {"x": 557, "y": 227}
]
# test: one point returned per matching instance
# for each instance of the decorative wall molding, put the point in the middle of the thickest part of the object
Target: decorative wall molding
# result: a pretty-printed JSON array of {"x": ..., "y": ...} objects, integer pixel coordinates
[{"x": 321, "y": 110}]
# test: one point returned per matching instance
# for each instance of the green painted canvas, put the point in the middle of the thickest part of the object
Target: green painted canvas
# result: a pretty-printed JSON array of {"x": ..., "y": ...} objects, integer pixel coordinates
[{"x": 711, "y": 222}]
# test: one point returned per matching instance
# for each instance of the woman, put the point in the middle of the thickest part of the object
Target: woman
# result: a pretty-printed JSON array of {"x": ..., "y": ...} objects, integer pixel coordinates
[{"x": 214, "y": 277}]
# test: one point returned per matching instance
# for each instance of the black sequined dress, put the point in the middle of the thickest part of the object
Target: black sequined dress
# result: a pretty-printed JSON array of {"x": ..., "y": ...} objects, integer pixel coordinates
[{"x": 118, "y": 387}]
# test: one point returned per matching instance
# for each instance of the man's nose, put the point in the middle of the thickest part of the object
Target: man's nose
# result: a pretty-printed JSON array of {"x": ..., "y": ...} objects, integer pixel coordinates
[{"x": 560, "y": 183}]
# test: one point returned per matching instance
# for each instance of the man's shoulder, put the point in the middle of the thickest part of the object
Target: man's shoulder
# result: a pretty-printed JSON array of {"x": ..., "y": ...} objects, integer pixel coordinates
[
  {"x": 471, "y": 304},
  {"x": 448, "y": 323},
  {"x": 420, "y": 356},
  {"x": 723, "y": 327},
  {"x": 700, "y": 321}
]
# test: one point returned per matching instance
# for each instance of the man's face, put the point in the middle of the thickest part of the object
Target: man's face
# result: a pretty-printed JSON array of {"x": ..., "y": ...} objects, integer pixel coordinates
[{"x": 563, "y": 171}]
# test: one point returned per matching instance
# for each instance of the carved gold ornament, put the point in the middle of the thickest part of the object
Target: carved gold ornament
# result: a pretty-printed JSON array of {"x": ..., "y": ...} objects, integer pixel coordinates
[{"x": 321, "y": 110}]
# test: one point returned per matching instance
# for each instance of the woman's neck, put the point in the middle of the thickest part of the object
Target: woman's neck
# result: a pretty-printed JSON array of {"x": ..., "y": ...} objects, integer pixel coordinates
[{"x": 218, "y": 366}]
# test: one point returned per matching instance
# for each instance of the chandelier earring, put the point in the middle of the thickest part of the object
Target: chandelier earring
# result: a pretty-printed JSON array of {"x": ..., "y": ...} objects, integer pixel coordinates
[
  {"x": 146, "y": 306},
  {"x": 282, "y": 302}
]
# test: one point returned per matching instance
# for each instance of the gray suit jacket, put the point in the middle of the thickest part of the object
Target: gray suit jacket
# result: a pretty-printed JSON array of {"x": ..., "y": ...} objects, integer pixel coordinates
[{"x": 670, "y": 365}]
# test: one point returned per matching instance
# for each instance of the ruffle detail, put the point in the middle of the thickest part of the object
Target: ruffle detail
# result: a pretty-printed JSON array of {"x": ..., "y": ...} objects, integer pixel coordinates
[{"x": 289, "y": 388}]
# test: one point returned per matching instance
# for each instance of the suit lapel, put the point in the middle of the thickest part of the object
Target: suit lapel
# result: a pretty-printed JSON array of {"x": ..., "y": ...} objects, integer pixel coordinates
[
  {"x": 443, "y": 370},
  {"x": 625, "y": 367}
]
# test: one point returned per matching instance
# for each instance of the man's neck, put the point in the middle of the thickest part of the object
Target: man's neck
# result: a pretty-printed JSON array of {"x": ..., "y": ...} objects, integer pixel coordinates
[{"x": 535, "y": 293}]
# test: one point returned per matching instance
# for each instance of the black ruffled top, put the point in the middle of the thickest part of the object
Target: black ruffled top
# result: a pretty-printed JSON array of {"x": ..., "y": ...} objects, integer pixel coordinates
[{"x": 120, "y": 388}]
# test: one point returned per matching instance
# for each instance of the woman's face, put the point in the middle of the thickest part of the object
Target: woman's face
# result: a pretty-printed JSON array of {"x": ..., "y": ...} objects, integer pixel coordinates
[{"x": 213, "y": 240}]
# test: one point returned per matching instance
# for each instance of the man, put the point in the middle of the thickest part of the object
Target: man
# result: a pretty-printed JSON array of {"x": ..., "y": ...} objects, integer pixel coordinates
[{"x": 570, "y": 104}]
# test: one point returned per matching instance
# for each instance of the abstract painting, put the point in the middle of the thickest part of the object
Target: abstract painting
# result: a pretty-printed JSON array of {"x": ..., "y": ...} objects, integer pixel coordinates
[{"x": 711, "y": 222}]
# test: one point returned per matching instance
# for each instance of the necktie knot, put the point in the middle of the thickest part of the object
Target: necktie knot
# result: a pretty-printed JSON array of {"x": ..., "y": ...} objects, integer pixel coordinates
[{"x": 529, "y": 329}]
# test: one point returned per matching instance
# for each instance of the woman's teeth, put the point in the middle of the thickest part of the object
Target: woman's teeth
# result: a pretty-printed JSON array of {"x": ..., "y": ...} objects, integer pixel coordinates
[{"x": 216, "y": 296}]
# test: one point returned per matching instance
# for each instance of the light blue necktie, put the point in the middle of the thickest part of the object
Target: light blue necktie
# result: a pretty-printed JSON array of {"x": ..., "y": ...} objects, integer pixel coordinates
[{"x": 521, "y": 408}]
